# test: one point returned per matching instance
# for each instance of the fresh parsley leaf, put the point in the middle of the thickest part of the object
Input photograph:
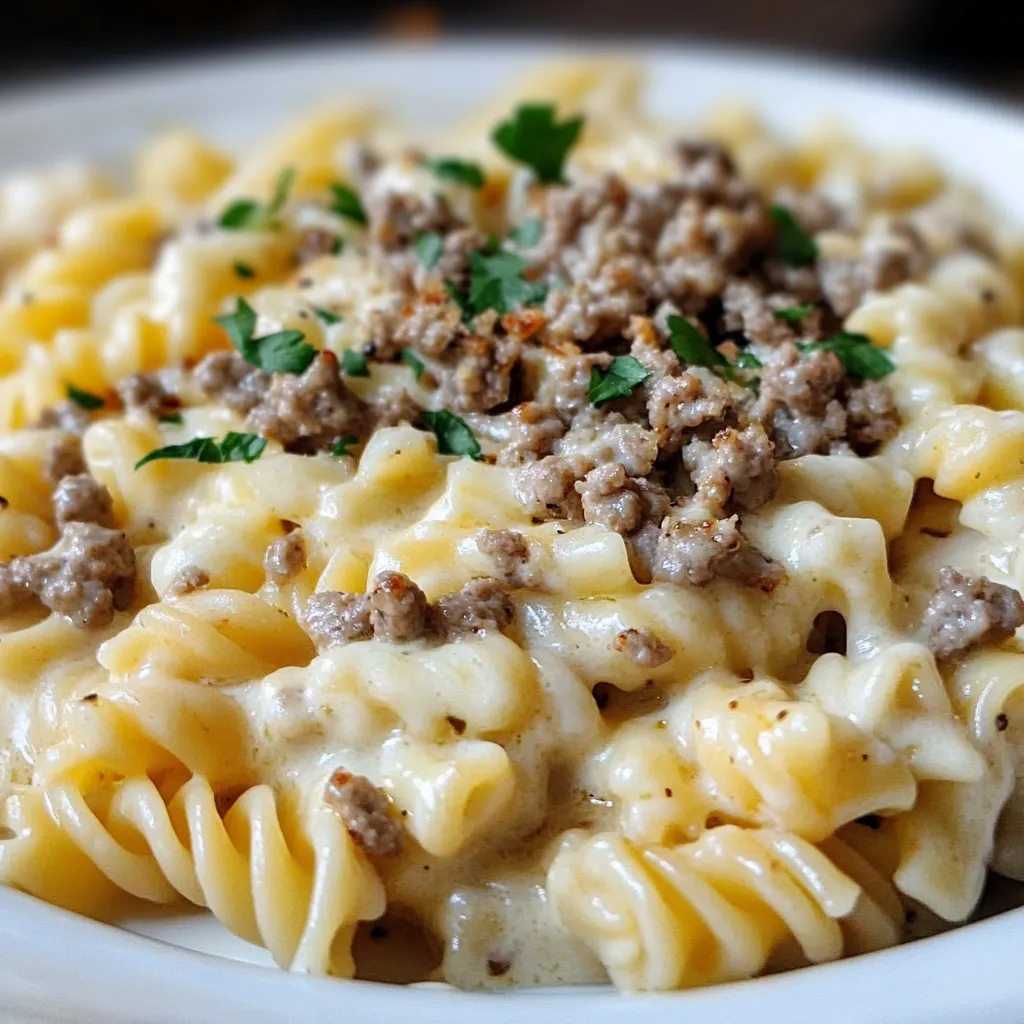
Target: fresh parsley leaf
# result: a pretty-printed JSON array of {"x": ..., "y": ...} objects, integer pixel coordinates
[
  {"x": 754, "y": 386},
  {"x": 428, "y": 246},
  {"x": 173, "y": 417},
  {"x": 496, "y": 282},
  {"x": 748, "y": 361},
  {"x": 528, "y": 233},
  {"x": 796, "y": 247},
  {"x": 341, "y": 446},
  {"x": 337, "y": 245},
  {"x": 460, "y": 300},
  {"x": 862, "y": 360},
  {"x": 241, "y": 447},
  {"x": 462, "y": 172},
  {"x": 531, "y": 136},
  {"x": 617, "y": 381},
  {"x": 413, "y": 361},
  {"x": 325, "y": 316},
  {"x": 84, "y": 399},
  {"x": 794, "y": 314},
  {"x": 234, "y": 448},
  {"x": 251, "y": 214},
  {"x": 691, "y": 346},
  {"x": 354, "y": 364},
  {"x": 345, "y": 203},
  {"x": 244, "y": 270},
  {"x": 280, "y": 352},
  {"x": 453, "y": 434}
]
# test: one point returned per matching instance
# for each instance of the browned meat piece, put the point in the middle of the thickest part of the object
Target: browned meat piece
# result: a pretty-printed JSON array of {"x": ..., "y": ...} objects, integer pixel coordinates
[
  {"x": 694, "y": 545},
  {"x": 871, "y": 414},
  {"x": 642, "y": 647},
  {"x": 453, "y": 264},
  {"x": 598, "y": 308},
  {"x": 309, "y": 412},
  {"x": 696, "y": 399},
  {"x": 187, "y": 580},
  {"x": 396, "y": 218},
  {"x": 64, "y": 458},
  {"x": 67, "y": 416},
  {"x": 533, "y": 430},
  {"x": 482, "y": 604},
  {"x": 477, "y": 372},
  {"x": 389, "y": 408},
  {"x": 966, "y": 611},
  {"x": 366, "y": 813},
  {"x": 747, "y": 309},
  {"x": 610, "y": 499},
  {"x": 86, "y": 575},
  {"x": 735, "y": 471},
  {"x": 430, "y": 324},
  {"x": 546, "y": 489},
  {"x": 510, "y": 555},
  {"x": 285, "y": 558},
  {"x": 227, "y": 378},
  {"x": 82, "y": 499},
  {"x": 705, "y": 167},
  {"x": 398, "y": 608},
  {"x": 332, "y": 618},
  {"x": 564, "y": 380},
  {"x": 147, "y": 391}
]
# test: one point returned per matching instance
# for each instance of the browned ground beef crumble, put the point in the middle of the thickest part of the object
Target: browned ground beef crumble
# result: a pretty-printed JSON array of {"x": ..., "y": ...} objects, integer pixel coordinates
[
  {"x": 366, "y": 813},
  {"x": 966, "y": 611}
]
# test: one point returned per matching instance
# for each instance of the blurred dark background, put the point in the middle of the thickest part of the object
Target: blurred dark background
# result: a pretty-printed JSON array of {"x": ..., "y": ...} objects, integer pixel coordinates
[{"x": 972, "y": 41}]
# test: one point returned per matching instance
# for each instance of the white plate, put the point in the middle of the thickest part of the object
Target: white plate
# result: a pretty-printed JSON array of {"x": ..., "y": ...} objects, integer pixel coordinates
[{"x": 58, "y": 967}]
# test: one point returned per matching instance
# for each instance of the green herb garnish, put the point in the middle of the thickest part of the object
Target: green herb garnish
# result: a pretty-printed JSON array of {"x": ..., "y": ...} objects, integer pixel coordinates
[
  {"x": 337, "y": 244},
  {"x": 796, "y": 247},
  {"x": 692, "y": 347},
  {"x": 861, "y": 359},
  {"x": 453, "y": 434},
  {"x": 618, "y": 381},
  {"x": 354, "y": 364},
  {"x": 462, "y": 172},
  {"x": 496, "y": 282},
  {"x": 794, "y": 314},
  {"x": 173, "y": 417},
  {"x": 748, "y": 361},
  {"x": 251, "y": 214},
  {"x": 234, "y": 448},
  {"x": 244, "y": 270},
  {"x": 528, "y": 233},
  {"x": 460, "y": 300},
  {"x": 84, "y": 399},
  {"x": 413, "y": 361},
  {"x": 428, "y": 246},
  {"x": 531, "y": 136},
  {"x": 342, "y": 445},
  {"x": 345, "y": 203},
  {"x": 325, "y": 316},
  {"x": 280, "y": 352}
]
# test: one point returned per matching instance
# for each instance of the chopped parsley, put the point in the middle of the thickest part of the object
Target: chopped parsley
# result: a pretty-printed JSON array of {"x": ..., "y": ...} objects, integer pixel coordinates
[
  {"x": 528, "y": 233},
  {"x": 345, "y": 203},
  {"x": 337, "y": 244},
  {"x": 692, "y": 347},
  {"x": 413, "y": 361},
  {"x": 244, "y": 270},
  {"x": 251, "y": 214},
  {"x": 280, "y": 352},
  {"x": 325, "y": 316},
  {"x": 617, "y": 381},
  {"x": 428, "y": 246},
  {"x": 861, "y": 359},
  {"x": 454, "y": 436},
  {"x": 531, "y": 136},
  {"x": 794, "y": 314},
  {"x": 342, "y": 445},
  {"x": 462, "y": 172},
  {"x": 173, "y": 417},
  {"x": 354, "y": 364},
  {"x": 496, "y": 282},
  {"x": 84, "y": 399},
  {"x": 796, "y": 247},
  {"x": 234, "y": 448},
  {"x": 748, "y": 361}
]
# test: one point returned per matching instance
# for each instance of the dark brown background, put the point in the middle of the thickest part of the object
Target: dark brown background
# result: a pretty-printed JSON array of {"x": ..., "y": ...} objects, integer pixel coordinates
[{"x": 973, "y": 41}]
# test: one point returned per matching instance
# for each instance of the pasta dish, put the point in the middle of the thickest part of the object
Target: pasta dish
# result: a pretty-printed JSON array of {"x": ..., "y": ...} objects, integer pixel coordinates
[{"x": 569, "y": 547}]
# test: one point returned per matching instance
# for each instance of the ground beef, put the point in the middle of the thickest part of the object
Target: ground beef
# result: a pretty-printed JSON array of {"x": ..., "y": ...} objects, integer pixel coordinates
[
  {"x": 186, "y": 580},
  {"x": 229, "y": 379},
  {"x": 332, "y": 618},
  {"x": 309, "y": 412},
  {"x": 430, "y": 325},
  {"x": 285, "y": 558},
  {"x": 509, "y": 554},
  {"x": 813, "y": 211},
  {"x": 533, "y": 430},
  {"x": 314, "y": 243},
  {"x": 69, "y": 416},
  {"x": 396, "y": 218},
  {"x": 693, "y": 546},
  {"x": 642, "y": 647},
  {"x": 481, "y": 605},
  {"x": 599, "y": 436},
  {"x": 610, "y": 499},
  {"x": 88, "y": 574},
  {"x": 64, "y": 458},
  {"x": 390, "y": 407},
  {"x": 735, "y": 471},
  {"x": 966, "y": 611},
  {"x": 453, "y": 263},
  {"x": 398, "y": 608},
  {"x": 696, "y": 399},
  {"x": 595, "y": 309},
  {"x": 366, "y": 813},
  {"x": 564, "y": 379},
  {"x": 707, "y": 169},
  {"x": 871, "y": 414},
  {"x": 82, "y": 499},
  {"x": 476, "y": 374},
  {"x": 747, "y": 309},
  {"x": 147, "y": 391}
]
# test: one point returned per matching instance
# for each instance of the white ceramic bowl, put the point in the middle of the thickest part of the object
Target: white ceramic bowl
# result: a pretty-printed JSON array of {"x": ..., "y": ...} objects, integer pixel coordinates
[{"x": 58, "y": 967}]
